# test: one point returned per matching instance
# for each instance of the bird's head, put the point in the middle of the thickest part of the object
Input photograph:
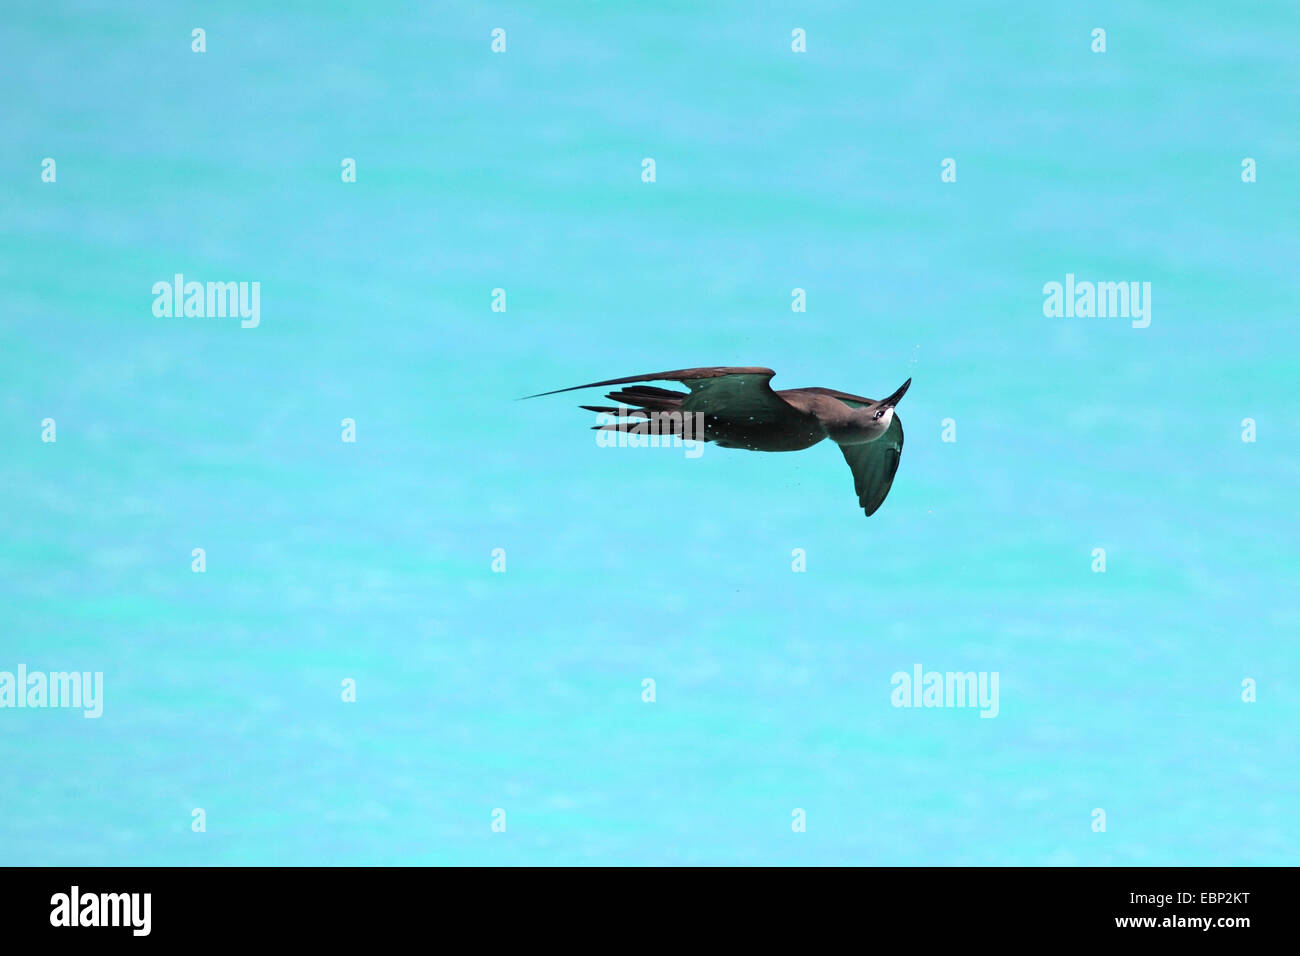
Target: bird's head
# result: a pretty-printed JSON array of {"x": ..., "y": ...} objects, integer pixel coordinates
[
  {"x": 865, "y": 420},
  {"x": 882, "y": 412}
]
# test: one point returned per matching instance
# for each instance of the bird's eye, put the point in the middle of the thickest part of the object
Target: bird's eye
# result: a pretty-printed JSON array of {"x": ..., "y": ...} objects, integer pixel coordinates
[{"x": 879, "y": 414}]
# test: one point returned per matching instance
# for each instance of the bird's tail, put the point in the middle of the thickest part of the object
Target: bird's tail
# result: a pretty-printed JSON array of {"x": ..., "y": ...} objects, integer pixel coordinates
[
  {"x": 646, "y": 404},
  {"x": 649, "y": 397}
]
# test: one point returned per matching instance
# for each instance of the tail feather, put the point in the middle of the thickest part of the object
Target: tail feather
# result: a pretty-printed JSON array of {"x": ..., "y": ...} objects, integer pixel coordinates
[
  {"x": 648, "y": 396},
  {"x": 647, "y": 409},
  {"x": 610, "y": 410},
  {"x": 667, "y": 425}
]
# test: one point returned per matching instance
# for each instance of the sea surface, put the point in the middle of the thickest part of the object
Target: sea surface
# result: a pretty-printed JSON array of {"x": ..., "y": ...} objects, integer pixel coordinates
[{"x": 508, "y": 685}]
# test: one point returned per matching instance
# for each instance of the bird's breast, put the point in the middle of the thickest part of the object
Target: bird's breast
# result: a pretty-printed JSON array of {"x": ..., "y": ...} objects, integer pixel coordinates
[
  {"x": 859, "y": 433},
  {"x": 766, "y": 436}
]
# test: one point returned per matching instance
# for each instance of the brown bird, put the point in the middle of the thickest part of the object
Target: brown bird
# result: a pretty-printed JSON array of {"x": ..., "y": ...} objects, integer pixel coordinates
[{"x": 737, "y": 408}]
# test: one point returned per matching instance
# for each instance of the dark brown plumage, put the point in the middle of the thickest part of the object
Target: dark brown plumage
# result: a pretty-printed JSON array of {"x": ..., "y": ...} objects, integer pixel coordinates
[{"x": 739, "y": 409}]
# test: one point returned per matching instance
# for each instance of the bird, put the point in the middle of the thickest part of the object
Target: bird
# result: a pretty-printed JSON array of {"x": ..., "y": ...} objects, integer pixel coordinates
[{"x": 737, "y": 408}]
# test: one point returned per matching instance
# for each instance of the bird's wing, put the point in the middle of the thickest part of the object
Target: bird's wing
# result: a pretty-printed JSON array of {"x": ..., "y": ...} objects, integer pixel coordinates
[
  {"x": 853, "y": 401},
  {"x": 737, "y": 393},
  {"x": 874, "y": 465}
]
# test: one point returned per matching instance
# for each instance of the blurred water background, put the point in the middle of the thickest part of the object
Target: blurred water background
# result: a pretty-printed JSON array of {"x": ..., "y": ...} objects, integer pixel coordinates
[{"x": 522, "y": 690}]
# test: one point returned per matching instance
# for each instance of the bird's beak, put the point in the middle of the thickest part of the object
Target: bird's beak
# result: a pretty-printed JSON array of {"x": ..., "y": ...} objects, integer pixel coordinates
[{"x": 897, "y": 397}]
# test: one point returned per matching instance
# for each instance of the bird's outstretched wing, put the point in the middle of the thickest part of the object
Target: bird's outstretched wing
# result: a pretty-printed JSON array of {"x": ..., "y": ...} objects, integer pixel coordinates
[
  {"x": 734, "y": 393},
  {"x": 874, "y": 465},
  {"x": 853, "y": 401}
]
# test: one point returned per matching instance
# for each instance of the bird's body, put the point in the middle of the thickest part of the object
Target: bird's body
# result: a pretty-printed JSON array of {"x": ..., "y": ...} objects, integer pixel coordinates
[
  {"x": 738, "y": 408},
  {"x": 842, "y": 423}
]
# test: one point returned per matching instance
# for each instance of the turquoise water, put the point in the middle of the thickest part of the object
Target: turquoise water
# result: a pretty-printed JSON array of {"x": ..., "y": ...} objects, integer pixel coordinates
[{"x": 372, "y": 560}]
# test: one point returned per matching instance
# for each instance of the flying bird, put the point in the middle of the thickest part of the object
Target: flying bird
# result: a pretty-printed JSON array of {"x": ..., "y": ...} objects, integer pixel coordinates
[{"x": 739, "y": 409}]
